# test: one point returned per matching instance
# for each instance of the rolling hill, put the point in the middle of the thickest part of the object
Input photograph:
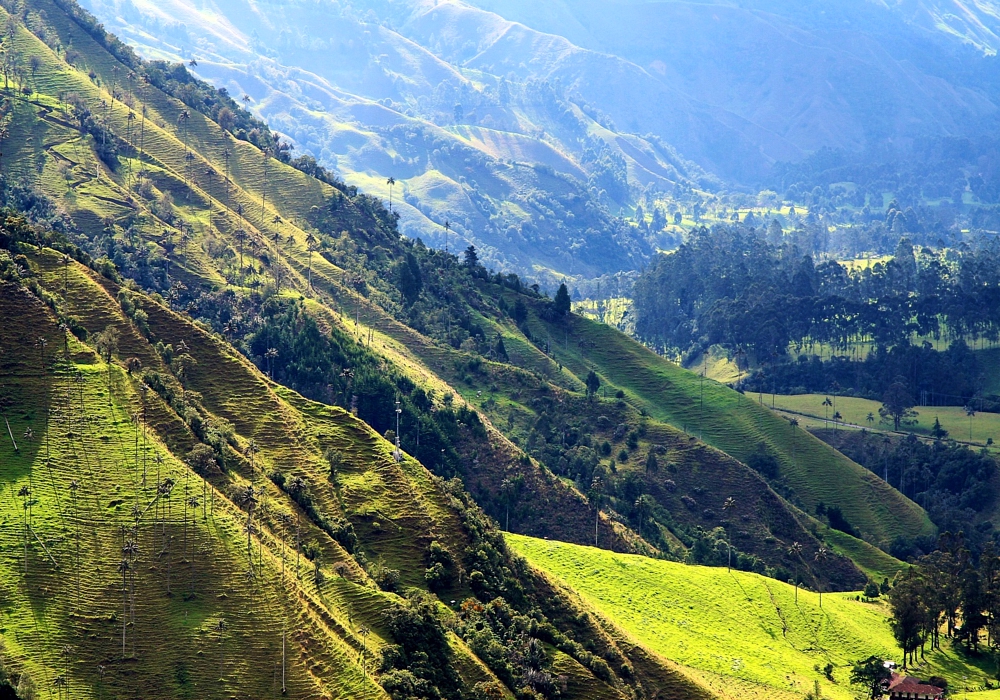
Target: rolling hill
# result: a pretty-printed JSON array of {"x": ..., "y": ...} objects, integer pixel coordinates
[
  {"x": 774, "y": 643},
  {"x": 153, "y": 261},
  {"x": 473, "y": 106}
]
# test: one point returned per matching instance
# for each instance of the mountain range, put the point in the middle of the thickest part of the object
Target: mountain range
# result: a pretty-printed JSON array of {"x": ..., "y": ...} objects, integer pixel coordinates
[{"x": 530, "y": 127}]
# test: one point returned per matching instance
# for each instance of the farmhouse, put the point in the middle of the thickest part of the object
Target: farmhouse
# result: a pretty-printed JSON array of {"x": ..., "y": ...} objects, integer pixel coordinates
[{"x": 906, "y": 687}]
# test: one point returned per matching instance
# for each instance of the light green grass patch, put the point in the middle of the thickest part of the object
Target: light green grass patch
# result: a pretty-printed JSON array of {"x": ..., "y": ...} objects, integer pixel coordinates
[
  {"x": 737, "y": 626},
  {"x": 977, "y": 429}
]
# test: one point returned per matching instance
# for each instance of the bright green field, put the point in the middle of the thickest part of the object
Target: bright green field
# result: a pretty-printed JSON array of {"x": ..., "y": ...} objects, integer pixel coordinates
[
  {"x": 953, "y": 418},
  {"x": 743, "y": 633}
]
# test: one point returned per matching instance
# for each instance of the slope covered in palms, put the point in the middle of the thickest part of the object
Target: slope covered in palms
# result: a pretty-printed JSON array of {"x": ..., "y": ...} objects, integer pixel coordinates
[{"x": 205, "y": 256}]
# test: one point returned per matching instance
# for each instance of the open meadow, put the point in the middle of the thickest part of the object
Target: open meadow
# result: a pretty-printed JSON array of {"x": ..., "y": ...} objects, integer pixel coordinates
[{"x": 744, "y": 635}]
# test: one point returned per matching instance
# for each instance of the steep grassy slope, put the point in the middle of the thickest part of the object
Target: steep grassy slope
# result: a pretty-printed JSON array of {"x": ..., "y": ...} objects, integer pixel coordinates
[
  {"x": 249, "y": 229},
  {"x": 200, "y": 244},
  {"x": 105, "y": 470},
  {"x": 745, "y": 635},
  {"x": 202, "y": 616},
  {"x": 735, "y": 424}
]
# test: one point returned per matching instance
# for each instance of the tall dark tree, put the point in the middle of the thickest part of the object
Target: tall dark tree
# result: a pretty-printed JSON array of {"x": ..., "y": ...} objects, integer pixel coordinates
[{"x": 562, "y": 303}]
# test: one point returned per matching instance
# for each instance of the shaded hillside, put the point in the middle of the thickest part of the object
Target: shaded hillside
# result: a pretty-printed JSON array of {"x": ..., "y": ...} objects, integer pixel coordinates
[
  {"x": 184, "y": 528},
  {"x": 270, "y": 258}
]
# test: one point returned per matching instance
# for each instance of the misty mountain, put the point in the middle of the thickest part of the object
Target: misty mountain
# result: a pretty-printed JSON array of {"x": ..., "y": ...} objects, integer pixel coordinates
[{"x": 529, "y": 127}]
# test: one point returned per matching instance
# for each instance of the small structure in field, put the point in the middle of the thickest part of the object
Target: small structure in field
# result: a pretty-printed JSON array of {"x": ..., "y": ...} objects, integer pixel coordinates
[{"x": 903, "y": 687}]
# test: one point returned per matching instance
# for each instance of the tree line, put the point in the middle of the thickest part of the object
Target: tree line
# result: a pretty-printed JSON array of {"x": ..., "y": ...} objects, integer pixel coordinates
[{"x": 730, "y": 285}]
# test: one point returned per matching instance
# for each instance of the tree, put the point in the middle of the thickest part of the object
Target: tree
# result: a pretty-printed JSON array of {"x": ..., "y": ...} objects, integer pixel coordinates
[
  {"x": 908, "y": 613},
  {"x": 872, "y": 675},
  {"x": 897, "y": 404},
  {"x": 796, "y": 551},
  {"x": 562, "y": 303},
  {"x": 594, "y": 495},
  {"x": 593, "y": 384},
  {"x": 123, "y": 569},
  {"x": 311, "y": 248},
  {"x": 391, "y": 181},
  {"x": 937, "y": 431},
  {"x": 471, "y": 257},
  {"x": 727, "y": 506},
  {"x": 821, "y": 554}
]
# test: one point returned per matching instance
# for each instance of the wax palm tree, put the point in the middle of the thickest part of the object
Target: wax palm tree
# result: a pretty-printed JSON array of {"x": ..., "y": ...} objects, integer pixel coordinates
[
  {"x": 183, "y": 118},
  {"x": 311, "y": 247},
  {"x": 391, "y": 182},
  {"x": 65, "y": 263},
  {"x": 130, "y": 552},
  {"x": 270, "y": 355},
  {"x": 241, "y": 237},
  {"x": 364, "y": 631},
  {"x": 74, "y": 488},
  {"x": 220, "y": 631},
  {"x": 796, "y": 551},
  {"x": 821, "y": 554},
  {"x": 826, "y": 409},
  {"x": 24, "y": 493},
  {"x": 59, "y": 681},
  {"x": 251, "y": 451},
  {"x": 836, "y": 419},
  {"x": 447, "y": 230},
  {"x": 729, "y": 504},
  {"x": 870, "y": 418},
  {"x": 246, "y": 497},
  {"x": 226, "y": 154},
  {"x": 263, "y": 189}
]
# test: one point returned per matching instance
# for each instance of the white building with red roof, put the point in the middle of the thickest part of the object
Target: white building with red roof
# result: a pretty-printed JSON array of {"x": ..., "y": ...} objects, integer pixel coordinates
[{"x": 909, "y": 688}]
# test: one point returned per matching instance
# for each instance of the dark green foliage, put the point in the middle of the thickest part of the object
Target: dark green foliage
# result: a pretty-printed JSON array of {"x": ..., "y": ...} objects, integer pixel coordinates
[
  {"x": 950, "y": 481},
  {"x": 440, "y": 574},
  {"x": 839, "y": 522},
  {"x": 730, "y": 286},
  {"x": 419, "y": 664},
  {"x": 593, "y": 383},
  {"x": 561, "y": 304},
  {"x": 506, "y": 641},
  {"x": 410, "y": 280},
  {"x": 937, "y": 431},
  {"x": 870, "y": 674},
  {"x": 947, "y": 377},
  {"x": 872, "y": 590},
  {"x": 763, "y": 462},
  {"x": 897, "y": 405}
]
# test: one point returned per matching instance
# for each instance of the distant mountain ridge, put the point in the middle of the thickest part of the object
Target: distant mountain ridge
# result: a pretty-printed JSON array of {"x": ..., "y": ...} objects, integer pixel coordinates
[{"x": 530, "y": 127}]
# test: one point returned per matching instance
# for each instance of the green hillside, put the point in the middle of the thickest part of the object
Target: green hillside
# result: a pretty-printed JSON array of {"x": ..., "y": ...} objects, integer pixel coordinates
[
  {"x": 735, "y": 424},
  {"x": 115, "y": 455},
  {"x": 196, "y": 241},
  {"x": 204, "y": 255},
  {"x": 743, "y": 635}
]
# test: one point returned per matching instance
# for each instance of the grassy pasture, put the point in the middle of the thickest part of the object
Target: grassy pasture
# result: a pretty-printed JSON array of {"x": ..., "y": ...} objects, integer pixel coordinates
[
  {"x": 744, "y": 635},
  {"x": 855, "y": 411}
]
